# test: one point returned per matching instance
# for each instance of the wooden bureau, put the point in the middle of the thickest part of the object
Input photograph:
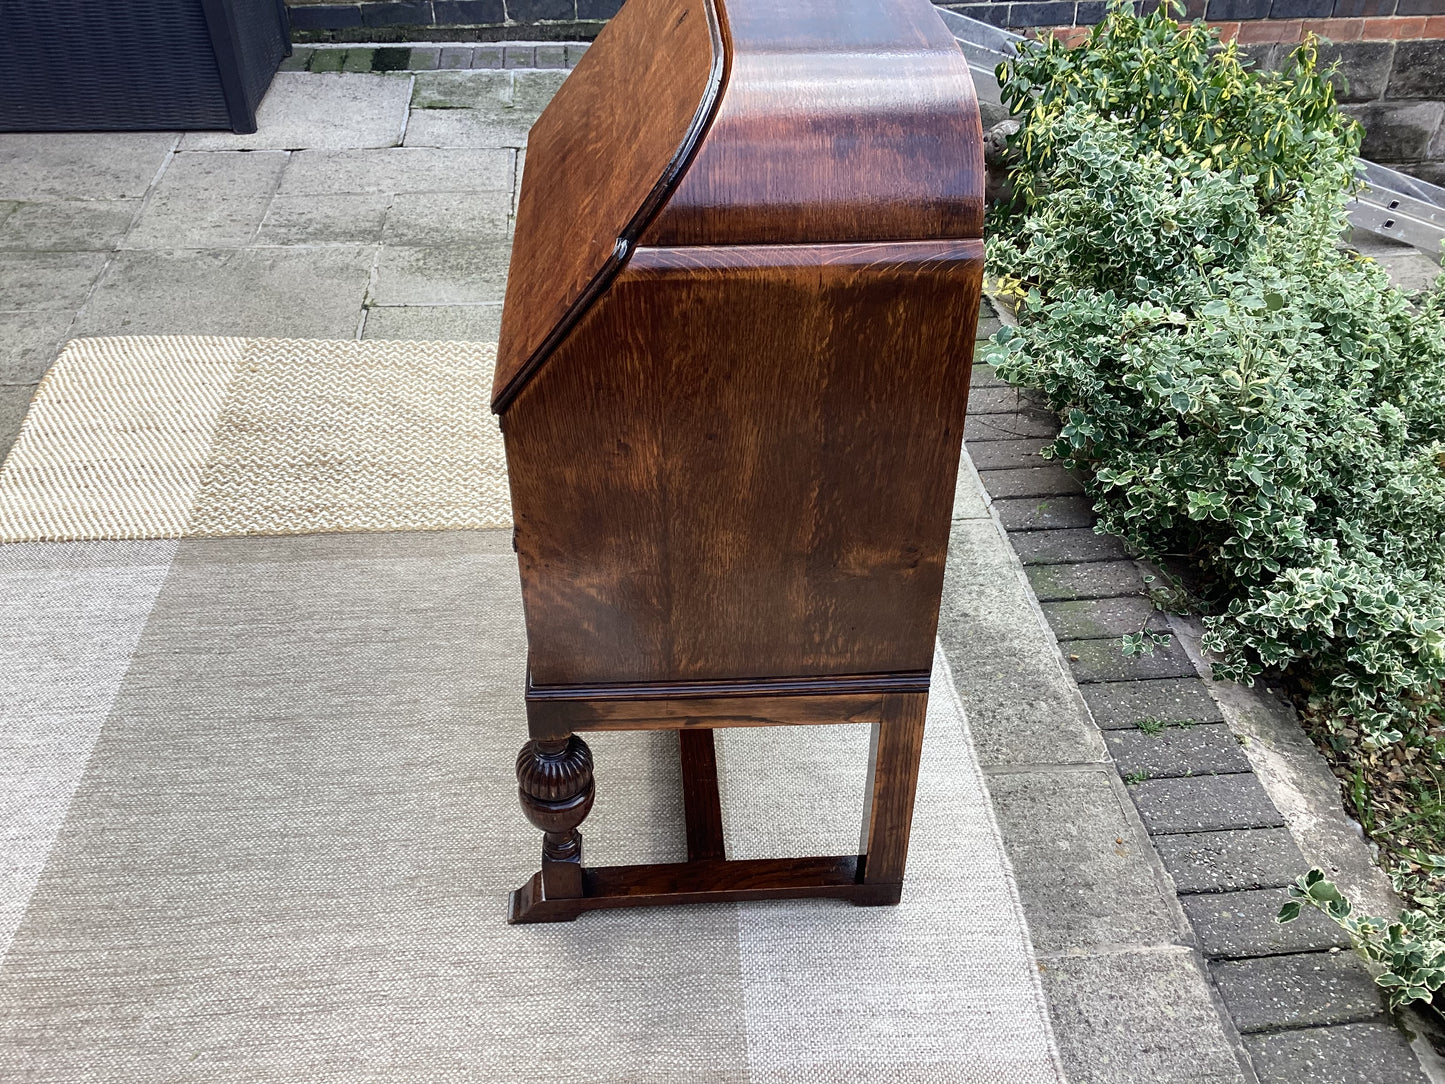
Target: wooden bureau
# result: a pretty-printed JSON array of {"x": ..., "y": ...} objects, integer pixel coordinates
[{"x": 732, "y": 379}]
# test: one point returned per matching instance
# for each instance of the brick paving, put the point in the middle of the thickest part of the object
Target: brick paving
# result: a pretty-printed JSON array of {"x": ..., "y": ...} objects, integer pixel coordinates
[
  {"x": 1304, "y": 1008},
  {"x": 543, "y": 55}
]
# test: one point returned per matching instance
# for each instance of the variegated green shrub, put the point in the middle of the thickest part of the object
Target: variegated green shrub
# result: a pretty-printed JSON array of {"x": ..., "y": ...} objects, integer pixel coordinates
[{"x": 1242, "y": 395}]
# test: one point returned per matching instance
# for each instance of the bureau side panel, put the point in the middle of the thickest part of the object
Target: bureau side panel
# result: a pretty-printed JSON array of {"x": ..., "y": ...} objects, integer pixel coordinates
[{"x": 741, "y": 465}]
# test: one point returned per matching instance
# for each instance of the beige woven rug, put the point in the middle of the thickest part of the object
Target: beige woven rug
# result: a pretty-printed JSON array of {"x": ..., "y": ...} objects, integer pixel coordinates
[{"x": 187, "y": 436}]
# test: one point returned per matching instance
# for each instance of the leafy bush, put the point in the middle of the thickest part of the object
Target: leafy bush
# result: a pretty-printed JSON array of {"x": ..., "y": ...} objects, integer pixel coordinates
[
  {"x": 1241, "y": 394},
  {"x": 1186, "y": 97},
  {"x": 1410, "y": 950}
]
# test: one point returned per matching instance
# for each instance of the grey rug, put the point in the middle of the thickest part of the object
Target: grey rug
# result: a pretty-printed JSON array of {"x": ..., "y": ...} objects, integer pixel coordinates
[{"x": 259, "y": 824}]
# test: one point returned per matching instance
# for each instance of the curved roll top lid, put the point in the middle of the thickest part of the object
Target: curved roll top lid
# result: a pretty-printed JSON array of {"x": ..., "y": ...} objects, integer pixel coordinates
[
  {"x": 752, "y": 122},
  {"x": 841, "y": 120}
]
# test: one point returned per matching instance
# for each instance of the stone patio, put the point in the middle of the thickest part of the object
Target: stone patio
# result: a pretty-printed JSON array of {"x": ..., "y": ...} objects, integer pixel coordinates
[{"x": 380, "y": 206}]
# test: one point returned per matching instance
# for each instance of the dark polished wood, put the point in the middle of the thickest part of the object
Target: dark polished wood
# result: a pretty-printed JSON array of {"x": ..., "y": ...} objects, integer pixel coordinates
[
  {"x": 896, "y": 745},
  {"x": 600, "y": 161},
  {"x": 841, "y": 121},
  {"x": 555, "y": 785},
  {"x": 915, "y": 681},
  {"x": 701, "y": 803},
  {"x": 731, "y": 514},
  {"x": 732, "y": 381},
  {"x": 735, "y": 881},
  {"x": 558, "y": 718}
]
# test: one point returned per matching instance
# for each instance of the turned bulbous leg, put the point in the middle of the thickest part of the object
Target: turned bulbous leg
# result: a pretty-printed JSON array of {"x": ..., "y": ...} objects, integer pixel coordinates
[{"x": 554, "y": 783}]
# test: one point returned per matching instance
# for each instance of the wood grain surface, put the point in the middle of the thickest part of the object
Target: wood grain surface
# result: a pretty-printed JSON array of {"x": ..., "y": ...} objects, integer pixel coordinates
[
  {"x": 600, "y": 160},
  {"x": 741, "y": 465},
  {"x": 554, "y": 718},
  {"x": 841, "y": 120}
]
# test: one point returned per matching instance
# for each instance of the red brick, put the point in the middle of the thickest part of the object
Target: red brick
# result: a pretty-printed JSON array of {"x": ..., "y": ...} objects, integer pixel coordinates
[
  {"x": 1394, "y": 29},
  {"x": 1227, "y": 31},
  {"x": 1262, "y": 30},
  {"x": 1336, "y": 29},
  {"x": 1434, "y": 27}
]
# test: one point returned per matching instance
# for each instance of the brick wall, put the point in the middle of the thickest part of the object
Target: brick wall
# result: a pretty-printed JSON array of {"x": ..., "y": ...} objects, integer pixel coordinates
[
  {"x": 450, "y": 20},
  {"x": 1392, "y": 70},
  {"x": 1391, "y": 52}
]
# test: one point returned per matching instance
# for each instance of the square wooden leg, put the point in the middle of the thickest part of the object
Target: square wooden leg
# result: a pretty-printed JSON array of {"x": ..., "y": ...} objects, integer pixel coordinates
[{"x": 895, "y": 750}]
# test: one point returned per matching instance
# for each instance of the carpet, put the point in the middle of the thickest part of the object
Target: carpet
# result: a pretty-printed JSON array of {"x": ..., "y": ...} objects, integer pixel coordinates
[
  {"x": 174, "y": 437},
  {"x": 258, "y": 819}
]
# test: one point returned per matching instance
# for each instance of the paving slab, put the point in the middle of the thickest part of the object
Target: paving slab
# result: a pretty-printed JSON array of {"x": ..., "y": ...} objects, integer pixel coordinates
[
  {"x": 1001, "y": 398},
  {"x": 479, "y": 109},
  {"x": 552, "y": 56},
  {"x": 1003, "y": 454},
  {"x": 1307, "y": 990},
  {"x": 1372, "y": 1053},
  {"x": 398, "y": 169},
  {"x": 1240, "y": 924},
  {"x": 287, "y": 292},
  {"x": 1104, "y": 660},
  {"x": 1207, "y": 803},
  {"x": 1176, "y": 752},
  {"x": 1075, "y": 545},
  {"x": 467, "y": 128},
  {"x": 519, "y": 56},
  {"x": 1124, "y": 703},
  {"x": 1231, "y": 860},
  {"x": 1034, "y": 424},
  {"x": 1410, "y": 271},
  {"x": 451, "y": 218},
  {"x": 491, "y": 55},
  {"x": 449, "y": 323},
  {"x": 358, "y": 60},
  {"x": 1050, "y": 480},
  {"x": 304, "y": 110},
  {"x": 29, "y": 343},
  {"x": 207, "y": 174},
  {"x": 454, "y": 56},
  {"x": 67, "y": 225},
  {"x": 1082, "y": 865},
  {"x": 1107, "y": 1013},
  {"x": 176, "y": 222},
  {"x": 47, "y": 281},
  {"x": 461, "y": 90},
  {"x": 1022, "y": 706},
  {"x": 1100, "y": 618},
  {"x": 532, "y": 90},
  {"x": 298, "y": 61},
  {"x": 983, "y": 375},
  {"x": 347, "y": 218},
  {"x": 1088, "y": 579},
  {"x": 80, "y": 165},
  {"x": 454, "y": 275},
  {"x": 1045, "y": 513},
  {"x": 969, "y": 499},
  {"x": 14, "y": 402}
]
